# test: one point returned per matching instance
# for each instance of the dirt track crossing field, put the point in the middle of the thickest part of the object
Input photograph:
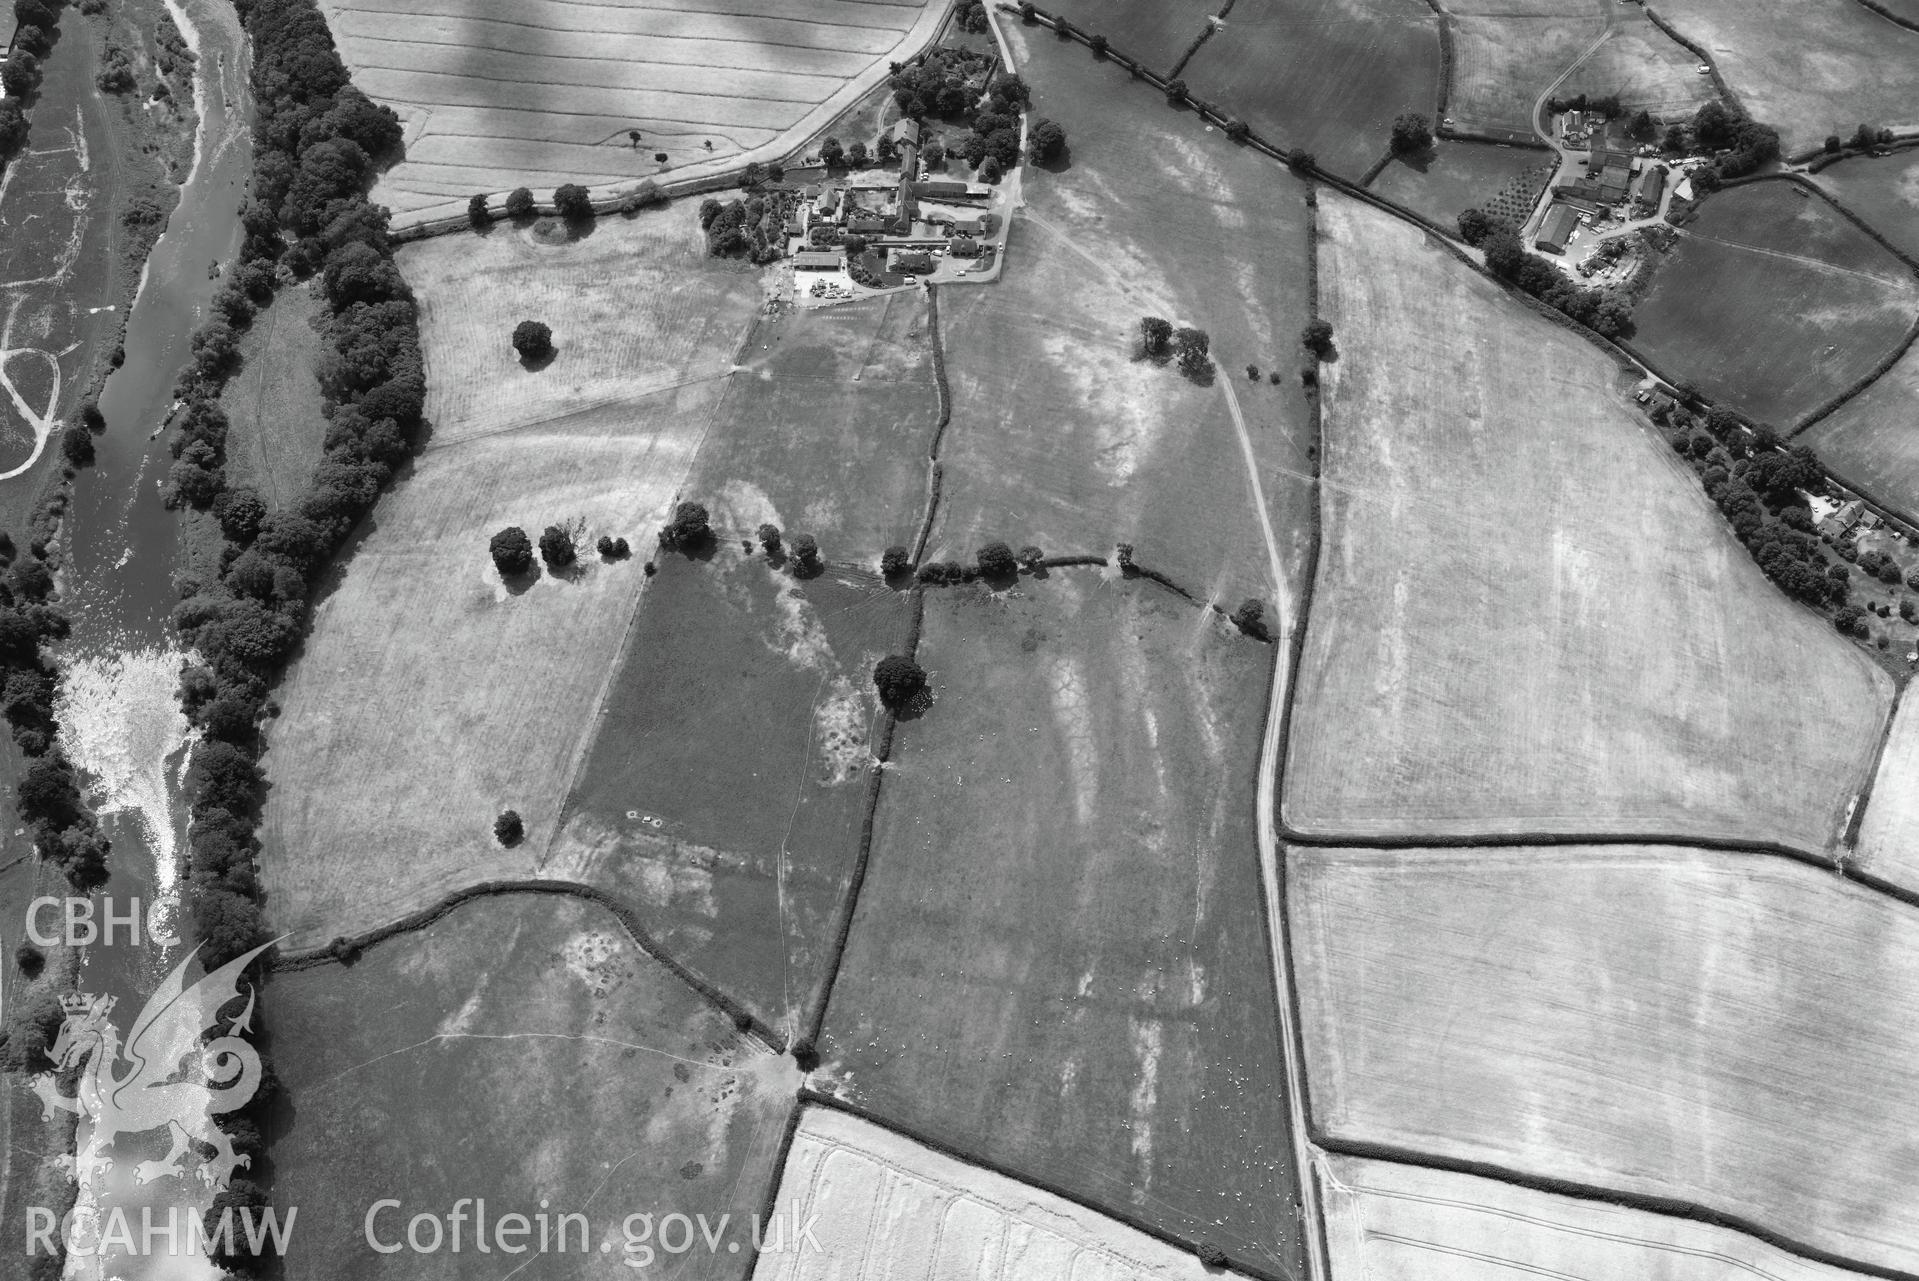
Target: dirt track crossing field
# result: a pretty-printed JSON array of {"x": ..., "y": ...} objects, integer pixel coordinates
[
  {"x": 1723, "y": 1030},
  {"x": 496, "y": 96},
  {"x": 1390, "y": 1222},
  {"x": 1528, "y": 617}
]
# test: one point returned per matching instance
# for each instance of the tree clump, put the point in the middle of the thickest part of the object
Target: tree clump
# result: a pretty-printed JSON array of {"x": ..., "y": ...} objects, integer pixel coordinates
[
  {"x": 519, "y": 204},
  {"x": 894, "y": 561},
  {"x": 1317, "y": 338},
  {"x": 689, "y": 530},
  {"x": 1250, "y": 618},
  {"x": 512, "y": 552},
  {"x": 1045, "y": 142},
  {"x": 806, "y": 555},
  {"x": 900, "y": 681},
  {"x": 508, "y": 828},
  {"x": 533, "y": 340},
  {"x": 477, "y": 214},
  {"x": 1412, "y": 134},
  {"x": 574, "y": 202},
  {"x": 770, "y": 541},
  {"x": 996, "y": 560},
  {"x": 556, "y": 547},
  {"x": 1193, "y": 350}
]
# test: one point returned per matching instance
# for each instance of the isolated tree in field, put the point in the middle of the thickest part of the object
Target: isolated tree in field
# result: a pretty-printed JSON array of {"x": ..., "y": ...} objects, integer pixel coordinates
[
  {"x": 573, "y": 202},
  {"x": 1193, "y": 349},
  {"x": 1317, "y": 338},
  {"x": 519, "y": 204},
  {"x": 508, "y": 829},
  {"x": 633, "y": 137},
  {"x": 832, "y": 155},
  {"x": 1863, "y": 138},
  {"x": 1155, "y": 335},
  {"x": 1252, "y": 372},
  {"x": 533, "y": 340},
  {"x": 556, "y": 547},
  {"x": 689, "y": 529},
  {"x": 1176, "y": 91},
  {"x": 996, "y": 560},
  {"x": 1046, "y": 142},
  {"x": 770, "y": 539},
  {"x": 806, "y": 554},
  {"x": 1412, "y": 133},
  {"x": 512, "y": 551},
  {"x": 1250, "y": 618},
  {"x": 895, "y": 560},
  {"x": 899, "y": 681},
  {"x": 476, "y": 211}
]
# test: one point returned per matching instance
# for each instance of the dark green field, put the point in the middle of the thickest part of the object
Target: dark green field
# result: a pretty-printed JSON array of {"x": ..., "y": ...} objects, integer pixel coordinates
[
  {"x": 1458, "y": 176},
  {"x": 1774, "y": 302},
  {"x": 602, "y": 1085},
  {"x": 1058, "y": 960},
  {"x": 1157, "y": 32},
  {"x": 1326, "y": 75},
  {"x": 723, "y": 793},
  {"x": 1884, "y": 190}
]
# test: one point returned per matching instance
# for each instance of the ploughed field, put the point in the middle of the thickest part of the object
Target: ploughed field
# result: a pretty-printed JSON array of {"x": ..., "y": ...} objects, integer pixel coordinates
[
  {"x": 1528, "y": 617},
  {"x": 1723, "y": 1030},
  {"x": 1775, "y": 303},
  {"x": 497, "y": 96},
  {"x": 888, "y": 1207},
  {"x": 1058, "y": 960}
]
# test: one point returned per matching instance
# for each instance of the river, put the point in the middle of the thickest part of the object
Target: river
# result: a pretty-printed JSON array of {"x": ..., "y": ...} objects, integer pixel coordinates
[{"x": 120, "y": 719}]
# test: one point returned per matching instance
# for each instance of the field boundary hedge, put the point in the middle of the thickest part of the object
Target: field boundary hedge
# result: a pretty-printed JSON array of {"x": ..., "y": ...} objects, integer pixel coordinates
[
  {"x": 1666, "y": 1207},
  {"x": 347, "y": 949},
  {"x": 811, "y": 1095},
  {"x": 1897, "y": 19},
  {"x": 1849, "y": 839},
  {"x": 1447, "y": 54},
  {"x": 1719, "y": 83}
]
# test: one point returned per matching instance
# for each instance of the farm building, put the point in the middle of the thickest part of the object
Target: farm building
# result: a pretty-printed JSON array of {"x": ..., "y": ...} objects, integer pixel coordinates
[
  {"x": 1558, "y": 229},
  {"x": 817, "y": 260},
  {"x": 963, "y": 247},
  {"x": 907, "y": 131},
  {"x": 1602, "y": 158},
  {"x": 1652, "y": 185},
  {"x": 940, "y": 189},
  {"x": 916, "y": 262},
  {"x": 1842, "y": 519}
]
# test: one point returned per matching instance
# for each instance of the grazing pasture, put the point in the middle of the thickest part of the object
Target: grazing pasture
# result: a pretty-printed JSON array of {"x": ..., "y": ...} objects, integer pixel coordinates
[
  {"x": 1774, "y": 302},
  {"x": 1392, "y": 1222},
  {"x": 1456, "y": 176},
  {"x": 1060, "y": 436},
  {"x": 1326, "y": 75},
  {"x": 277, "y": 432},
  {"x": 1889, "y": 832},
  {"x": 1807, "y": 67},
  {"x": 523, "y": 1052},
  {"x": 1872, "y": 439},
  {"x": 1882, "y": 190},
  {"x": 635, "y": 307},
  {"x": 723, "y": 791},
  {"x": 888, "y": 1207},
  {"x": 1157, "y": 32},
  {"x": 1526, "y": 608},
  {"x": 1501, "y": 64},
  {"x": 431, "y": 695},
  {"x": 1645, "y": 67},
  {"x": 1057, "y": 959},
  {"x": 1725, "y": 1030},
  {"x": 547, "y": 92}
]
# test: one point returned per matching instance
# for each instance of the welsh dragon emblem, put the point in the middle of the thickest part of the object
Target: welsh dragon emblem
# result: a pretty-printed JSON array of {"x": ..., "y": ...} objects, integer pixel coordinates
[{"x": 155, "y": 1090}]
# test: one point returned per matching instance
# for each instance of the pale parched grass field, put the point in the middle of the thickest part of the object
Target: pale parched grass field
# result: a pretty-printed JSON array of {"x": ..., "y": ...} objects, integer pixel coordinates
[
  {"x": 1732, "y": 1031},
  {"x": 545, "y": 92},
  {"x": 888, "y": 1207},
  {"x": 1528, "y": 616},
  {"x": 1389, "y": 1222},
  {"x": 1889, "y": 833},
  {"x": 1870, "y": 440},
  {"x": 429, "y": 695}
]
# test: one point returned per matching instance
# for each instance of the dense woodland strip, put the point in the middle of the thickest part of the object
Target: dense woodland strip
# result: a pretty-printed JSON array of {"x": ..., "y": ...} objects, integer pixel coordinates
[{"x": 318, "y": 144}]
